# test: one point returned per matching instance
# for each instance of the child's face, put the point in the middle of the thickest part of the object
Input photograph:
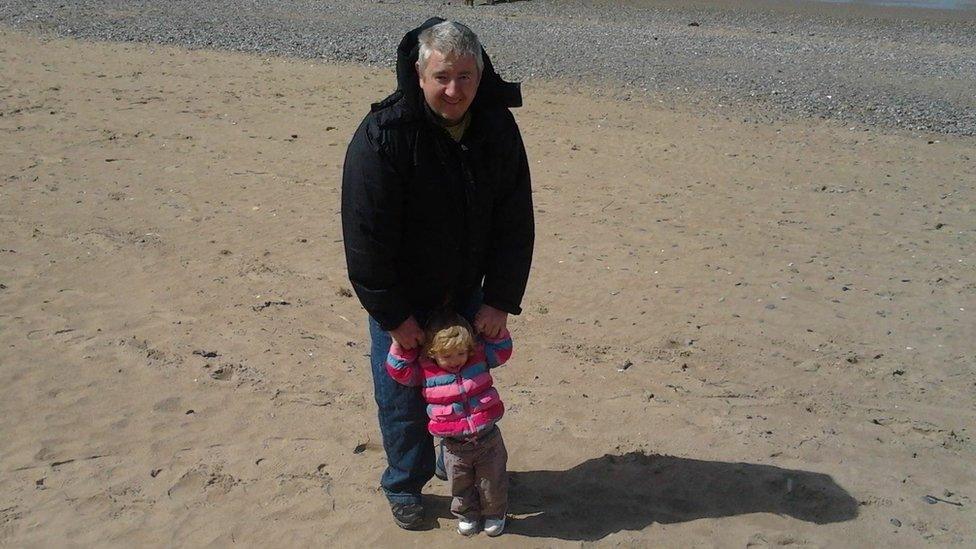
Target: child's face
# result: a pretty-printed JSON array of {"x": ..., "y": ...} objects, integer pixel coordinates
[{"x": 451, "y": 360}]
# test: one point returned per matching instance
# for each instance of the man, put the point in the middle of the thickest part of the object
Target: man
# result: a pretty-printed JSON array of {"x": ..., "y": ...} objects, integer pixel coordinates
[{"x": 436, "y": 212}]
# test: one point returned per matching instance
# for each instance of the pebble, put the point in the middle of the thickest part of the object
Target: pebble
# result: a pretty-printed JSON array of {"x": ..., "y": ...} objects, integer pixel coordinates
[{"x": 842, "y": 67}]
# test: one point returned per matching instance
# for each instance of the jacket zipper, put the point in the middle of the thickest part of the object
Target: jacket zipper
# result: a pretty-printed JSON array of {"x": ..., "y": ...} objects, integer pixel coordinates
[{"x": 464, "y": 403}]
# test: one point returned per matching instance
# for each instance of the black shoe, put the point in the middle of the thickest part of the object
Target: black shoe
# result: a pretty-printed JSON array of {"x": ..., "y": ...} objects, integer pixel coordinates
[{"x": 409, "y": 516}]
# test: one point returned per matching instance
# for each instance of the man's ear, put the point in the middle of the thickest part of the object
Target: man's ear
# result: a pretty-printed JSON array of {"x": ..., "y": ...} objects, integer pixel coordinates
[{"x": 417, "y": 67}]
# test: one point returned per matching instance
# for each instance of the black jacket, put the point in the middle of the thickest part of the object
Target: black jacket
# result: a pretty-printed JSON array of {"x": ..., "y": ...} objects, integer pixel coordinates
[{"x": 427, "y": 221}]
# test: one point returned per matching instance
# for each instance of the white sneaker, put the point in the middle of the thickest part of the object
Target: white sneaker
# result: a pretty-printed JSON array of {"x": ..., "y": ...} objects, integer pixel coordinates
[
  {"x": 467, "y": 527},
  {"x": 494, "y": 527}
]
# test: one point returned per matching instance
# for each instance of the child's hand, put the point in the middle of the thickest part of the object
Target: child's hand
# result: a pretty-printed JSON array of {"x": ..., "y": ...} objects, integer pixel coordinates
[{"x": 397, "y": 351}]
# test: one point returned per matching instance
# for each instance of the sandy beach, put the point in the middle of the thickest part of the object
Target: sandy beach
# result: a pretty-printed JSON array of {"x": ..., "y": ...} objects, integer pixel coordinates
[{"x": 736, "y": 334}]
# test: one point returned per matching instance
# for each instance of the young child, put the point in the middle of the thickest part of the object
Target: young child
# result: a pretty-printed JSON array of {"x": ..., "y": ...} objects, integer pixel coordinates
[{"x": 463, "y": 406}]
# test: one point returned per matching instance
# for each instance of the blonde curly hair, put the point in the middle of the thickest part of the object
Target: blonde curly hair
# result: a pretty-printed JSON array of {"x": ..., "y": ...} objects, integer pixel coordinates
[{"x": 447, "y": 332}]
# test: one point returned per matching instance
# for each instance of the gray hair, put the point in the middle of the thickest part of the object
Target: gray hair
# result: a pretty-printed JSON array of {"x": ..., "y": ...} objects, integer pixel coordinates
[{"x": 449, "y": 38}]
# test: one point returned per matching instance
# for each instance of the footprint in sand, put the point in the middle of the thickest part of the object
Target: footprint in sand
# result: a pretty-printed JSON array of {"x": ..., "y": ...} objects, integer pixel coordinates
[
  {"x": 224, "y": 372},
  {"x": 171, "y": 404}
]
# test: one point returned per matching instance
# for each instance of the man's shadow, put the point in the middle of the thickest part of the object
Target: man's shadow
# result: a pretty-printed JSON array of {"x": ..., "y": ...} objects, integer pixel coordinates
[{"x": 630, "y": 492}]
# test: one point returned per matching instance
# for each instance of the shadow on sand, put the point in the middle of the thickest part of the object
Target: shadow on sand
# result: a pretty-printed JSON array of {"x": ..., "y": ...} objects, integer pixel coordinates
[{"x": 630, "y": 492}]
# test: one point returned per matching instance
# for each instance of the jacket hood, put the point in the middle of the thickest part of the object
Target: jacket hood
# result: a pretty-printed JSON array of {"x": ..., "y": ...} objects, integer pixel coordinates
[{"x": 492, "y": 90}]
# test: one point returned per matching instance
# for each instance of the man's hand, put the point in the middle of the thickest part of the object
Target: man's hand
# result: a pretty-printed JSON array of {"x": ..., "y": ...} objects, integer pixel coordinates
[
  {"x": 408, "y": 334},
  {"x": 490, "y": 322}
]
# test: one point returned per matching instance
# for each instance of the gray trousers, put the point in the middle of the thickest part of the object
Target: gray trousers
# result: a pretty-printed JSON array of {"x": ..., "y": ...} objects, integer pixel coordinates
[{"x": 478, "y": 476}]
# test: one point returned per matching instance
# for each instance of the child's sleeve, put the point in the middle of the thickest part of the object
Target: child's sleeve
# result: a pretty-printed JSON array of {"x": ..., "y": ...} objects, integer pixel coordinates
[
  {"x": 499, "y": 349},
  {"x": 402, "y": 365}
]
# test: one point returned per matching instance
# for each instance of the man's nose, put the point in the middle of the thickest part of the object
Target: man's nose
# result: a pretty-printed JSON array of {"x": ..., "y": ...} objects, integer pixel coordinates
[{"x": 452, "y": 88}]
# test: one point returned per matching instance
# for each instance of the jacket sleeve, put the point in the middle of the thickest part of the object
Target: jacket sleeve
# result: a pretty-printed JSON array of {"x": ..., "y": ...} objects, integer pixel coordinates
[
  {"x": 512, "y": 232},
  {"x": 372, "y": 214},
  {"x": 498, "y": 350},
  {"x": 402, "y": 365}
]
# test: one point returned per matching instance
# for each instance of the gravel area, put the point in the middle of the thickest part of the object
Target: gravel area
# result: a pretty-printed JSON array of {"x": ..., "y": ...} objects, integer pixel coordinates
[{"x": 913, "y": 73}]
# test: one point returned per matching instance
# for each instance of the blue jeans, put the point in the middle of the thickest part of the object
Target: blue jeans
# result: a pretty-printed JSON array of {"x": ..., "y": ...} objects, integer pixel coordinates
[{"x": 403, "y": 419}]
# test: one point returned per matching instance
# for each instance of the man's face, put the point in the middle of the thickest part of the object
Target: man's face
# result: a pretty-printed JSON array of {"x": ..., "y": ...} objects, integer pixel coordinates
[{"x": 449, "y": 84}]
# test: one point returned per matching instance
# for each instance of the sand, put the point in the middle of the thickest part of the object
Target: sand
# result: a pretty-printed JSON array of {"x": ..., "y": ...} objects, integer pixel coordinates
[{"x": 735, "y": 334}]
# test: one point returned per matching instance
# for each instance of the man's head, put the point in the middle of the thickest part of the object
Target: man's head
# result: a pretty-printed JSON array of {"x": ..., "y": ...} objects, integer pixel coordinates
[{"x": 449, "y": 68}]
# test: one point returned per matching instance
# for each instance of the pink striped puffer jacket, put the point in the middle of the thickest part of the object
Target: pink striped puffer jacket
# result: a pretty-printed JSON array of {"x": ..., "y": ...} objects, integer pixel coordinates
[{"x": 462, "y": 404}]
